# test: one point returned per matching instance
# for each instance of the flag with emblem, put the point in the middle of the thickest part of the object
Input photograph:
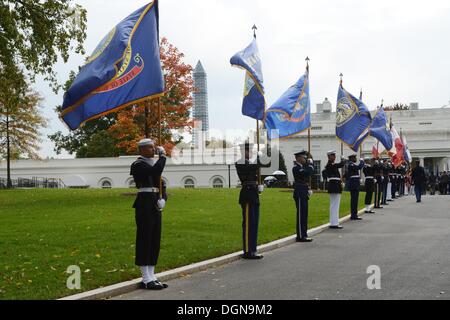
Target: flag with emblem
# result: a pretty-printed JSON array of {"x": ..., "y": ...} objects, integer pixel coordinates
[
  {"x": 379, "y": 129},
  {"x": 124, "y": 69},
  {"x": 352, "y": 119},
  {"x": 254, "y": 103},
  {"x": 291, "y": 113}
]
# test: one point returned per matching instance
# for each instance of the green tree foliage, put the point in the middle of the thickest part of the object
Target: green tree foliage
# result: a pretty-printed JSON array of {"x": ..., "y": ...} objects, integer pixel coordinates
[
  {"x": 34, "y": 34},
  {"x": 20, "y": 117}
]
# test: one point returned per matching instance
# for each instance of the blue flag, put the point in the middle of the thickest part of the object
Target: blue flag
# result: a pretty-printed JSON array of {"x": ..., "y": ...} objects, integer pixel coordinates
[
  {"x": 380, "y": 130},
  {"x": 352, "y": 119},
  {"x": 291, "y": 113},
  {"x": 254, "y": 104},
  {"x": 124, "y": 69}
]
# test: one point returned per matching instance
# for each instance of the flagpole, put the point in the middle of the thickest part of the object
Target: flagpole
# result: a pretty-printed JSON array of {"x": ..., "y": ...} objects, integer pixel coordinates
[
  {"x": 160, "y": 143},
  {"x": 309, "y": 129},
  {"x": 254, "y": 28},
  {"x": 342, "y": 144}
]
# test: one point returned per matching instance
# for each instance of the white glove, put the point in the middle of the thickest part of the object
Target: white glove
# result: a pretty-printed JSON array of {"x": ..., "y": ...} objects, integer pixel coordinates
[
  {"x": 161, "y": 151},
  {"x": 374, "y": 180},
  {"x": 361, "y": 159},
  {"x": 310, "y": 161},
  {"x": 260, "y": 154},
  {"x": 161, "y": 204},
  {"x": 260, "y": 188},
  {"x": 310, "y": 193}
]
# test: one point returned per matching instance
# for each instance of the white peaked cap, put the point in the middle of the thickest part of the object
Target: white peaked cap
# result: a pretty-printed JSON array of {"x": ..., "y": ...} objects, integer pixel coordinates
[{"x": 146, "y": 142}]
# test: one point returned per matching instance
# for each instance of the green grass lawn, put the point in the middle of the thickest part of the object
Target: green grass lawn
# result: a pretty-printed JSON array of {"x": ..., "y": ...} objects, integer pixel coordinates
[{"x": 42, "y": 232}]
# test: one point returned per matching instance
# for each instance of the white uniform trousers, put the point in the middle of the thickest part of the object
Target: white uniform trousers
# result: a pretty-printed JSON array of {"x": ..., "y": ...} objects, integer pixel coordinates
[
  {"x": 335, "y": 201},
  {"x": 389, "y": 191}
]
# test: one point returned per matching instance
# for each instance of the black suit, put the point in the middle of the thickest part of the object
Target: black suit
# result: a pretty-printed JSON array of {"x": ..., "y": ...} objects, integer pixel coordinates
[{"x": 418, "y": 178}]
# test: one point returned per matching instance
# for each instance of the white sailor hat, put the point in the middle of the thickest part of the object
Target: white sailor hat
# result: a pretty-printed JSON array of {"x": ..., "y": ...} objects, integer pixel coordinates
[
  {"x": 302, "y": 153},
  {"x": 146, "y": 142},
  {"x": 329, "y": 153}
]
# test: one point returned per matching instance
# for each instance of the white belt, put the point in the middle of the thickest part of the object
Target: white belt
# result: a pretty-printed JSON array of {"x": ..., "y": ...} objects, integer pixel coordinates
[
  {"x": 369, "y": 177},
  {"x": 354, "y": 177},
  {"x": 334, "y": 179},
  {"x": 152, "y": 190}
]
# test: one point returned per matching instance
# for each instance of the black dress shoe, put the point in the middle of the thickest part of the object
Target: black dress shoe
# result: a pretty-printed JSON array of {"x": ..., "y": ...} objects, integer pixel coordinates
[
  {"x": 356, "y": 218},
  {"x": 249, "y": 256},
  {"x": 304, "y": 240},
  {"x": 336, "y": 227},
  {"x": 380, "y": 207},
  {"x": 369, "y": 211},
  {"x": 153, "y": 285},
  {"x": 165, "y": 285}
]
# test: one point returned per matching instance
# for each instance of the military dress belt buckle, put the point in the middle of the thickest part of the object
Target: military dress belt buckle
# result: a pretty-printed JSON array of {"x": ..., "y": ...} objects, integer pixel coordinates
[{"x": 151, "y": 190}]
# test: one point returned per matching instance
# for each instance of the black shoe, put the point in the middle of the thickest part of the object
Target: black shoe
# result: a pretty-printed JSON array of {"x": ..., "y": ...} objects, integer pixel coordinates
[
  {"x": 304, "y": 240},
  {"x": 380, "y": 207},
  {"x": 165, "y": 285},
  {"x": 248, "y": 256},
  {"x": 336, "y": 227},
  {"x": 355, "y": 218},
  {"x": 153, "y": 285},
  {"x": 369, "y": 211}
]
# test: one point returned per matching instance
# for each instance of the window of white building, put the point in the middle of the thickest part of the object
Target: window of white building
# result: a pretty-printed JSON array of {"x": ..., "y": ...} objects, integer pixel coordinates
[
  {"x": 106, "y": 184},
  {"x": 218, "y": 183},
  {"x": 189, "y": 183}
]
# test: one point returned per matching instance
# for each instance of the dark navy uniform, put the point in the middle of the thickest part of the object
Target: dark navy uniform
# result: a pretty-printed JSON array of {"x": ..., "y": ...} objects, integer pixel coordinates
[
  {"x": 148, "y": 215},
  {"x": 385, "y": 168},
  {"x": 301, "y": 175},
  {"x": 378, "y": 185},
  {"x": 249, "y": 201},
  {"x": 354, "y": 187},
  {"x": 369, "y": 174}
]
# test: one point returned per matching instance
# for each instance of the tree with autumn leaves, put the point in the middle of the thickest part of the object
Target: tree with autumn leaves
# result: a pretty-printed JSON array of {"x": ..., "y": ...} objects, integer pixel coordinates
[{"x": 141, "y": 121}]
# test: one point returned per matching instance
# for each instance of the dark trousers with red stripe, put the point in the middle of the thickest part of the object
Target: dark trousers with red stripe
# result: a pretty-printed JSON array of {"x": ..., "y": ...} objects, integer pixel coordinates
[{"x": 250, "y": 222}]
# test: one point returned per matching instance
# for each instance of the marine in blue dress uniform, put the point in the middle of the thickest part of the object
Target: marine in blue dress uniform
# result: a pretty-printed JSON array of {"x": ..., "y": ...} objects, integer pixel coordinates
[
  {"x": 249, "y": 200},
  {"x": 354, "y": 185},
  {"x": 148, "y": 205},
  {"x": 302, "y": 170},
  {"x": 369, "y": 175}
]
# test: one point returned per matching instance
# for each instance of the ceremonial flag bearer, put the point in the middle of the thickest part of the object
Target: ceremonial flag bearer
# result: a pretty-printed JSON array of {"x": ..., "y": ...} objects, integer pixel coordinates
[
  {"x": 369, "y": 175},
  {"x": 354, "y": 184},
  {"x": 249, "y": 200},
  {"x": 148, "y": 205},
  {"x": 302, "y": 170},
  {"x": 333, "y": 177}
]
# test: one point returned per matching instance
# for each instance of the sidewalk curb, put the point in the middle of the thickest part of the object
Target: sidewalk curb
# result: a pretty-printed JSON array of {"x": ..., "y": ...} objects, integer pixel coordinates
[{"x": 132, "y": 285}]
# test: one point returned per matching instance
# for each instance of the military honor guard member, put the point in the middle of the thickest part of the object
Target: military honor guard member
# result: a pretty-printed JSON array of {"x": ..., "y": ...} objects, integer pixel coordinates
[
  {"x": 354, "y": 184},
  {"x": 378, "y": 183},
  {"x": 369, "y": 176},
  {"x": 249, "y": 200},
  {"x": 302, "y": 170},
  {"x": 391, "y": 181},
  {"x": 334, "y": 187},
  {"x": 385, "y": 183},
  {"x": 148, "y": 205}
]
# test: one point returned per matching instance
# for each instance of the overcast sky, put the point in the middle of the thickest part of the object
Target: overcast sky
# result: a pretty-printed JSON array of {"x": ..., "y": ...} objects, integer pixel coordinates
[{"x": 396, "y": 50}]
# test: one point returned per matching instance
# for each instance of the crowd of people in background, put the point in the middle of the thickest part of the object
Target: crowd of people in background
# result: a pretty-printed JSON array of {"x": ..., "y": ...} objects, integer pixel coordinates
[{"x": 433, "y": 183}]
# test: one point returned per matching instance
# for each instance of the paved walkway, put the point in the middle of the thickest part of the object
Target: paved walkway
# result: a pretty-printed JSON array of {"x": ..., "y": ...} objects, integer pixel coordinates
[{"x": 409, "y": 241}]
